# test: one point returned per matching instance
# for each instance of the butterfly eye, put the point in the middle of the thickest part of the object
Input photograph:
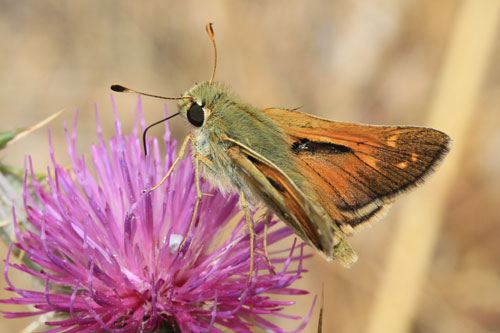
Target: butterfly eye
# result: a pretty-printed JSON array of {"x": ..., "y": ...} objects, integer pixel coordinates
[{"x": 196, "y": 115}]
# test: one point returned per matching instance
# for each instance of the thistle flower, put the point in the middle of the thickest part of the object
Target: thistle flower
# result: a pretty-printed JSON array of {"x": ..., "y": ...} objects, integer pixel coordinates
[{"x": 108, "y": 253}]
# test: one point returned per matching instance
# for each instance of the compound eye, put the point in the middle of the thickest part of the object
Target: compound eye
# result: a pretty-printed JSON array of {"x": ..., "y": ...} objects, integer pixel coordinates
[{"x": 196, "y": 115}]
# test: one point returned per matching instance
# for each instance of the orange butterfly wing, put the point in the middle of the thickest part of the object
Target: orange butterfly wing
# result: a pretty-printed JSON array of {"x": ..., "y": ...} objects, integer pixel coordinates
[
  {"x": 354, "y": 170},
  {"x": 305, "y": 218}
]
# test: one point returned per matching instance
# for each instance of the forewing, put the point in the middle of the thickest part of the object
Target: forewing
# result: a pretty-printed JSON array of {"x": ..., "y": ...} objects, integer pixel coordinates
[
  {"x": 308, "y": 221},
  {"x": 357, "y": 169}
]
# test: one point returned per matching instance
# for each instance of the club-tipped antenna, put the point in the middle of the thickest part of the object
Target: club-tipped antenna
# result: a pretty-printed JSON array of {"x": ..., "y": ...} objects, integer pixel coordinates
[
  {"x": 210, "y": 32},
  {"x": 120, "y": 88},
  {"x": 153, "y": 124}
]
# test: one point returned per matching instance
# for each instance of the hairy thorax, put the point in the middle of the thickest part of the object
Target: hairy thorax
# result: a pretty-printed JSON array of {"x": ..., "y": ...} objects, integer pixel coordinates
[{"x": 220, "y": 172}]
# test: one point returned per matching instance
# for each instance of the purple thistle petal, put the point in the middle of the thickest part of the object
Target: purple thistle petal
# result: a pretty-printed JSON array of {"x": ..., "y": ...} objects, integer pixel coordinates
[{"x": 109, "y": 252}]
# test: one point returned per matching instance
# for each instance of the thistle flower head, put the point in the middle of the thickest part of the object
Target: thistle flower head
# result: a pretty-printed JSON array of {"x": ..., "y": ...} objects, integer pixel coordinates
[{"x": 107, "y": 252}]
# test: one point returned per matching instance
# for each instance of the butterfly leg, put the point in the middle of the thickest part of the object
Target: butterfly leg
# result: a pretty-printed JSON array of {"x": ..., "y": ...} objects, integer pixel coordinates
[
  {"x": 206, "y": 161},
  {"x": 266, "y": 253},
  {"x": 180, "y": 154},
  {"x": 199, "y": 195},
  {"x": 248, "y": 218}
]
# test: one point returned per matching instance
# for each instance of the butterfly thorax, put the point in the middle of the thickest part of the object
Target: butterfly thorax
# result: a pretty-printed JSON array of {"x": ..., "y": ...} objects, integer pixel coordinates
[{"x": 227, "y": 118}]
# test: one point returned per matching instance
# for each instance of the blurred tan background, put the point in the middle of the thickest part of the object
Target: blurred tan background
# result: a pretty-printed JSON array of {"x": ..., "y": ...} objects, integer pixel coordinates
[{"x": 379, "y": 62}]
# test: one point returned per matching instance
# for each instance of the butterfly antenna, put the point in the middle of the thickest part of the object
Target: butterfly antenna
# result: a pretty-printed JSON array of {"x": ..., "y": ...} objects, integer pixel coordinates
[
  {"x": 210, "y": 32},
  {"x": 120, "y": 88}
]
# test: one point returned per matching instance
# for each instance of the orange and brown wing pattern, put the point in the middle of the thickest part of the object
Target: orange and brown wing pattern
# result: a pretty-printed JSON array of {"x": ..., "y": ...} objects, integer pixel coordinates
[
  {"x": 294, "y": 204},
  {"x": 307, "y": 220},
  {"x": 357, "y": 169},
  {"x": 277, "y": 192}
]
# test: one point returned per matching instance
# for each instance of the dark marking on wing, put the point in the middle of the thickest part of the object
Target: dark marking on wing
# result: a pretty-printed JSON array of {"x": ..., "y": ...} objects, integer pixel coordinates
[
  {"x": 276, "y": 185},
  {"x": 252, "y": 159},
  {"x": 305, "y": 145}
]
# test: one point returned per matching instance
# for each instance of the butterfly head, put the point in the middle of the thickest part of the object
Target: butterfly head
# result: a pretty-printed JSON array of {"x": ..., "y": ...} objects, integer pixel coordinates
[{"x": 200, "y": 102}]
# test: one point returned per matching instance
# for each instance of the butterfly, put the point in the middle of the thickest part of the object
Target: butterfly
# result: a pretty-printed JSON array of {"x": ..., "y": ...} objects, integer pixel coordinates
[{"x": 325, "y": 179}]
